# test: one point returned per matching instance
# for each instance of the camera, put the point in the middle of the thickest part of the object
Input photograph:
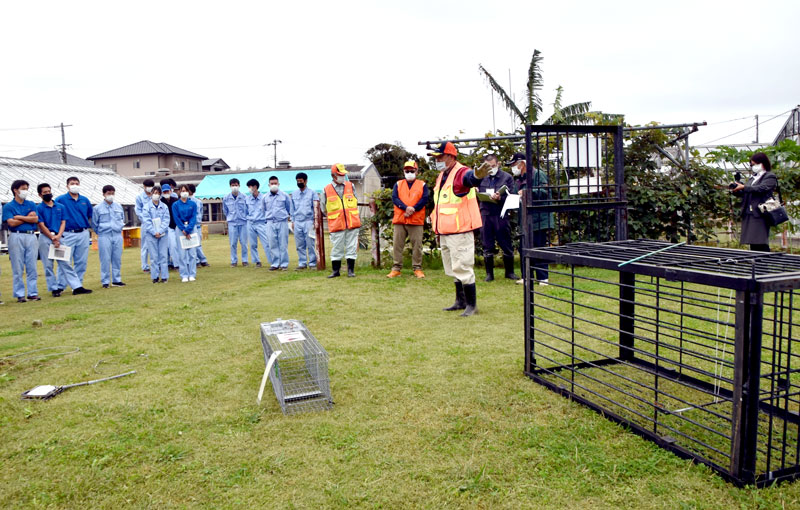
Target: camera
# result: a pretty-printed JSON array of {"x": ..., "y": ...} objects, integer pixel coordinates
[{"x": 737, "y": 177}]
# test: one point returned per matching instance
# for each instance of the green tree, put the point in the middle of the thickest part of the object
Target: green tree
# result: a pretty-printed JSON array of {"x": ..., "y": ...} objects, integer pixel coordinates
[
  {"x": 571, "y": 114},
  {"x": 389, "y": 159}
]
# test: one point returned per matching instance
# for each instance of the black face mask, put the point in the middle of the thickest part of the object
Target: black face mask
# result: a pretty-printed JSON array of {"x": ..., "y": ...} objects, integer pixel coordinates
[
  {"x": 301, "y": 185},
  {"x": 47, "y": 197}
]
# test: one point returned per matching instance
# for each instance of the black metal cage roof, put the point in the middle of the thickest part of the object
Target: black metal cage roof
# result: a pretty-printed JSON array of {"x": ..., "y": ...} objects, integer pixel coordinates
[{"x": 724, "y": 267}]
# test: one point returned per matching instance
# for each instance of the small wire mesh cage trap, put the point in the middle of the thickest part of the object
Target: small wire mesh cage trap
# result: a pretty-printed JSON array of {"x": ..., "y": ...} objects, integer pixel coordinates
[
  {"x": 694, "y": 348},
  {"x": 297, "y": 367}
]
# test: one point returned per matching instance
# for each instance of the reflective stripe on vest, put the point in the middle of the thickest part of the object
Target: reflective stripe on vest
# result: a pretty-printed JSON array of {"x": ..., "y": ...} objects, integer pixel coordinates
[
  {"x": 410, "y": 196},
  {"x": 341, "y": 216},
  {"x": 452, "y": 214}
]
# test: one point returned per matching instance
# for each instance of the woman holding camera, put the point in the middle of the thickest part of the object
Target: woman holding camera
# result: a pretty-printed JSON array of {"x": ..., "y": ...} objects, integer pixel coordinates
[{"x": 757, "y": 190}]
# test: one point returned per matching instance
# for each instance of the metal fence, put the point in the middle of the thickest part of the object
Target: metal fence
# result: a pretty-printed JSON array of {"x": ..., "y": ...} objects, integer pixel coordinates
[{"x": 694, "y": 348}]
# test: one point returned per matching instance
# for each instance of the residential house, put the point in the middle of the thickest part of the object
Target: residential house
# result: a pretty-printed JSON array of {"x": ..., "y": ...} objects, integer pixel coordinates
[
  {"x": 215, "y": 165},
  {"x": 149, "y": 158}
]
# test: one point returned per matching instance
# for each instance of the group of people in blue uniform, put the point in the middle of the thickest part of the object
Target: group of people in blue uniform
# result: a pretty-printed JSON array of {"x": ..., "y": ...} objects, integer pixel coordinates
[{"x": 266, "y": 217}]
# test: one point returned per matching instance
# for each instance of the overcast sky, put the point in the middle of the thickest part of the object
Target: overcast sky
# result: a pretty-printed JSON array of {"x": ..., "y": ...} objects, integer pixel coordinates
[{"x": 332, "y": 79}]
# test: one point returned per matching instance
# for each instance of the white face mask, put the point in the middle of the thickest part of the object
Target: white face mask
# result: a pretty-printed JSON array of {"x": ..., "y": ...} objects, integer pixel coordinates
[
  {"x": 253, "y": 190},
  {"x": 411, "y": 176},
  {"x": 516, "y": 171},
  {"x": 156, "y": 198},
  {"x": 184, "y": 194},
  {"x": 340, "y": 179},
  {"x": 234, "y": 189},
  {"x": 493, "y": 171},
  {"x": 75, "y": 189},
  {"x": 109, "y": 198},
  {"x": 273, "y": 188},
  {"x": 148, "y": 189},
  {"x": 22, "y": 194},
  {"x": 757, "y": 168},
  {"x": 440, "y": 165}
]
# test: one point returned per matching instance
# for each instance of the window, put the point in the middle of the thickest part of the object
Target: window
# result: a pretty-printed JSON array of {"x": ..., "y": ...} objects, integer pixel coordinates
[
  {"x": 137, "y": 164},
  {"x": 149, "y": 173},
  {"x": 111, "y": 166},
  {"x": 183, "y": 165},
  {"x": 193, "y": 165}
]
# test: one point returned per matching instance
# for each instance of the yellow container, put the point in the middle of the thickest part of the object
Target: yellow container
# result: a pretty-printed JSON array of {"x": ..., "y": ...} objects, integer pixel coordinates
[
  {"x": 135, "y": 233},
  {"x": 204, "y": 229}
]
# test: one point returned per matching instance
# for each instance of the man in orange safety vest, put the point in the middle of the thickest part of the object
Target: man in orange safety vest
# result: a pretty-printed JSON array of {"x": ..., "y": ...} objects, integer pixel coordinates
[{"x": 340, "y": 204}]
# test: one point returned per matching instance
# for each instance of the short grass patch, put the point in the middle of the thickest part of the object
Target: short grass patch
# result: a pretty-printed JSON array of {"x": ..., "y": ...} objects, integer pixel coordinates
[{"x": 432, "y": 410}]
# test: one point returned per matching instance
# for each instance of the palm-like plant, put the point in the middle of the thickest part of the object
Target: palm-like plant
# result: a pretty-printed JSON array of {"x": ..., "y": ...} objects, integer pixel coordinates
[{"x": 577, "y": 113}]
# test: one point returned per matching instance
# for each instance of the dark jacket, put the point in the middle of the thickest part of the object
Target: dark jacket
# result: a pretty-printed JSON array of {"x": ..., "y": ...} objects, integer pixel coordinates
[
  {"x": 754, "y": 229},
  {"x": 495, "y": 182}
]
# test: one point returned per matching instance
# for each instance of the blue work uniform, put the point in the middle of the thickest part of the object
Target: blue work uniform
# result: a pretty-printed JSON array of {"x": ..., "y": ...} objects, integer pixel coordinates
[
  {"x": 141, "y": 200},
  {"x": 235, "y": 209},
  {"x": 185, "y": 216},
  {"x": 303, "y": 219},
  {"x": 78, "y": 214},
  {"x": 201, "y": 257},
  {"x": 52, "y": 216},
  {"x": 279, "y": 209},
  {"x": 155, "y": 220},
  {"x": 257, "y": 226},
  {"x": 23, "y": 248},
  {"x": 107, "y": 222}
]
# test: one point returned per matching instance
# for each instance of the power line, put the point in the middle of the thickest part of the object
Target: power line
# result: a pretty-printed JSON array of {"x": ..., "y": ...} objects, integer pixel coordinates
[
  {"x": 745, "y": 129},
  {"x": 28, "y": 128}
]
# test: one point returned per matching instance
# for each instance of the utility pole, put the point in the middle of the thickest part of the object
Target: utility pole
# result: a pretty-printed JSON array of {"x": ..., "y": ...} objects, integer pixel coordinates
[
  {"x": 274, "y": 145},
  {"x": 64, "y": 143},
  {"x": 756, "y": 128}
]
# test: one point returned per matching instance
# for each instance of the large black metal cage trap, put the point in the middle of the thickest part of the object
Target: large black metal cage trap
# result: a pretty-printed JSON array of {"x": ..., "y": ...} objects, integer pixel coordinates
[{"x": 694, "y": 348}]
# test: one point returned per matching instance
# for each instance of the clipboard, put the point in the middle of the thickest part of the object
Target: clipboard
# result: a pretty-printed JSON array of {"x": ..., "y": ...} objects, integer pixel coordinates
[
  {"x": 63, "y": 252},
  {"x": 187, "y": 244}
]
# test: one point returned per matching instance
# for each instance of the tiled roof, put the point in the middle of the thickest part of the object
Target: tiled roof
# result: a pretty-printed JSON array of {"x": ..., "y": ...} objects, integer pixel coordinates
[
  {"x": 145, "y": 147},
  {"x": 55, "y": 157}
]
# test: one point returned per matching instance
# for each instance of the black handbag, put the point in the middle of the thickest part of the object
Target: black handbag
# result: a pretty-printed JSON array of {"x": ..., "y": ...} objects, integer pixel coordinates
[{"x": 773, "y": 211}]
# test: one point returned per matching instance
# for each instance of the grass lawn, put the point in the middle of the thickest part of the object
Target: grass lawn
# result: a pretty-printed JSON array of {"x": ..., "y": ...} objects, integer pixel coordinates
[{"x": 432, "y": 410}]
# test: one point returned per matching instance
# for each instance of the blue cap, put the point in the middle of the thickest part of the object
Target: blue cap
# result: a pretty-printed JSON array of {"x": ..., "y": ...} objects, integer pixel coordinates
[{"x": 165, "y": 187}]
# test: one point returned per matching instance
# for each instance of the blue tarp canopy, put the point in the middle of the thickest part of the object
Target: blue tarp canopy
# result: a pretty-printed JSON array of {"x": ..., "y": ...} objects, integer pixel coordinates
[{"x": 217, "y": 186}]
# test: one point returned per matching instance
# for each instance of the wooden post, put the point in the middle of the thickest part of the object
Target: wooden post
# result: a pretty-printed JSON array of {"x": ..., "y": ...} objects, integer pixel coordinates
[
  {"x": 376, "y": 234},
  {"x": 320, "y": 233}
]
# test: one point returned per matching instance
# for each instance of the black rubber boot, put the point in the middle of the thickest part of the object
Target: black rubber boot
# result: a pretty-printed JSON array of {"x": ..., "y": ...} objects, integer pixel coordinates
[
  {"x": 489, "y": 269},
  {"x": 336, "y": 265},
  {"x": 461, "y": 301},
  {"x": 508, "y": 264},
  {"x": 351, "y": 267},
  {"x": 469, "y": 294}
]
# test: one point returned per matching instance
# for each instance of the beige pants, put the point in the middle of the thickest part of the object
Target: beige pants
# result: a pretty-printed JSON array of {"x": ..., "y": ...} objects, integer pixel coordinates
[
  {"x": 414, "y": 234},
  {"x": 458, "y": 256}
]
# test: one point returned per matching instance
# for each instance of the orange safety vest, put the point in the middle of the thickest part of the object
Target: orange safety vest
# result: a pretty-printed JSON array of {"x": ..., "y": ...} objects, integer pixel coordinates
[
  {"x": 341, "y": 216},
  {"x": 410, "y": 196},
  {"x": 452, "y": 214}
]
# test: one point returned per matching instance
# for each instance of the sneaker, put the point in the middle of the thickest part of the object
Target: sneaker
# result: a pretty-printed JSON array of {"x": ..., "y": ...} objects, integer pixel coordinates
[
  {"x": 146, "y": 270},
  {"x": 164, "y": 280},
  {"x": 204, "y": 264},
  {"x": 258, "y": 264},
  {"x": 56, "y": 293},
  {"x": 192, "y": 279},
  {"x": 35, "y": 297},
  {"x": 300, "y": 268},
  {"x": 233, "y": 264},
  {"x": 155, "y": 280},
  {"x": 117, "y": 284},
  {"x": 273, "y": 268},
  {"x": 81, "y": 290},
  {"x": 184, "y": 279},
  {"x": 419, "y": 274},
  {"x": 393, "y": 274},
  {"x": 520, "y": 281},
  {"x": 105, "y": 285},
  {"x": 21, "y": 300},
  {"x": 544, "y": 282},
  {"x": 244, "y": 264}
]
